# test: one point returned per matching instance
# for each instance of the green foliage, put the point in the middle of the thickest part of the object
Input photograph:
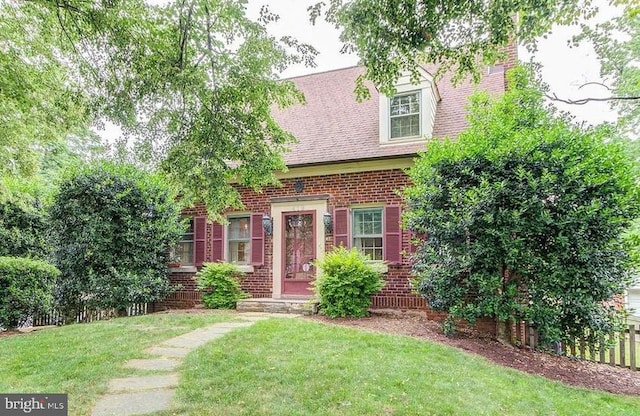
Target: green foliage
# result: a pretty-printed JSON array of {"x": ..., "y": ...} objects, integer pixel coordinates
[
  {"x": 524, "y": 214},
  {"x": 347, "y": 283},
  {"x": 26, "y": 288},
  {"x": 113, "y": 226},
  {"x": 23, "y": 221},
  {"x": 191, "y": 84},
  {"x": 40, "y": 104},
  {"x": 391, "y": 38},
  {"x": 221, "y": 284}
]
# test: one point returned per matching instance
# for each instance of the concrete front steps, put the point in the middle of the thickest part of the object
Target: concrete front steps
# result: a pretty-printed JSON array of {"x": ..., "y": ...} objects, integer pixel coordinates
[{"x": 285, "y": 305}]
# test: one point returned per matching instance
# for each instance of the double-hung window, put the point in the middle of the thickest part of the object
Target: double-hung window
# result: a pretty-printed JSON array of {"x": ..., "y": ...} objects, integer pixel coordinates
[
  {"x": 405, "y": 115},
  {"x": 375, "y": 231},
  {"x": 239, "y": 239},
  {"x": 184, "y": 249},
  {"x": 368, "y": 232}
]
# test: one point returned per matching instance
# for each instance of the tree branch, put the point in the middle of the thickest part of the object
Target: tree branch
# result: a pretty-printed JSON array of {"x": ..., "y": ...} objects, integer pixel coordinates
[
  {"x": 595, "y": 83},
  {"x": 582, "y": 101}
]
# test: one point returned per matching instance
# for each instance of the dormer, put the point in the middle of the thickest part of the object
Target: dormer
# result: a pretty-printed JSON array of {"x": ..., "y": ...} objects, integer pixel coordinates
[{"x": 409, "y": 115}]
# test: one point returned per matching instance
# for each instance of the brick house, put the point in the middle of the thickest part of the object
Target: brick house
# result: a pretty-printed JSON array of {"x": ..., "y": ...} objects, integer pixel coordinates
[{"x": 342, "y": 187}]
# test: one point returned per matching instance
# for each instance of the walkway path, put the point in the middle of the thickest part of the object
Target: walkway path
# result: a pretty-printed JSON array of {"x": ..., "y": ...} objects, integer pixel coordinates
[{"x": 138, "y": 395}]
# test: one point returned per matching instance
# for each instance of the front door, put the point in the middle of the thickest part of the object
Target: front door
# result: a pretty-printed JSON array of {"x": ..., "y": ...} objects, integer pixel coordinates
[{"x": 299, "y": 252}]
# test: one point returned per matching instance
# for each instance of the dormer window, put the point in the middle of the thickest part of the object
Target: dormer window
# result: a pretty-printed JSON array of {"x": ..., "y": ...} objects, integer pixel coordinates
[
  {"x": 409, "y": 115},
  {"x": 405, "y": 115}
]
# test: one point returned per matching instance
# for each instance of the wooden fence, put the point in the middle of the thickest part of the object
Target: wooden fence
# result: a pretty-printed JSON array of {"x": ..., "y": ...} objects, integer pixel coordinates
[
  {"x": 623, "y": 353},
  {"x": 85, "y": 314}
]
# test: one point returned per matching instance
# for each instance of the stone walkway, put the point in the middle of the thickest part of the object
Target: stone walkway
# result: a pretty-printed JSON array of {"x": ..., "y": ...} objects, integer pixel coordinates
[{"x": 138, "y": 395}]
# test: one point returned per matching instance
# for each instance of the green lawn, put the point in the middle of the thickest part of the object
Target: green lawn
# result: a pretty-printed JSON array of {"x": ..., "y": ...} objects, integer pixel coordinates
[
  {"x": 291, "y": 367},
  {"x": 80, "y": 359},
  {"x": 285, "y": 367}
]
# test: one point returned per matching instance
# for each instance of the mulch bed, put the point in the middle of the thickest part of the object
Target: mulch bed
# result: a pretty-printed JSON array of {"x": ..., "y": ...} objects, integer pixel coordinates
[{"x": 564, "y": 369}]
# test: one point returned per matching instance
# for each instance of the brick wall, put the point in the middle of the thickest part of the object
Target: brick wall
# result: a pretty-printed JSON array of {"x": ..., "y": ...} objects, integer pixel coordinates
[
  {"x": 186, "y": 297},
  {"x": 344, "y": 190}
]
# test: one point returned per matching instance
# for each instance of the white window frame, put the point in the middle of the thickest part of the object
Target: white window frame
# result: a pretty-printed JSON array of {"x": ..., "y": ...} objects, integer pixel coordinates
[
  {"x": 192, "y": 233},
  {"x": 419, "y": 114},
  {"x": 429, "y": 97},
  {"x": 228, "y": 240},
  {"x": 355, "y": 236}
]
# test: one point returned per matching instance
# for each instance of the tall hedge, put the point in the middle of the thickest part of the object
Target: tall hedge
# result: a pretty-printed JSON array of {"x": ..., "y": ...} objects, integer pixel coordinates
[
  {"x": 23, "y": 220},
  {"x": 524, "y": 215},
  {"x": 113, "y": 225},
  {"x": 26, "y": 289}
]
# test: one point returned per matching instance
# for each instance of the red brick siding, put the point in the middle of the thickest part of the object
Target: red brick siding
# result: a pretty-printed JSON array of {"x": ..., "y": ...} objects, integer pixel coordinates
[
  {"x": 344, "y": 190},
  {"x": 186, "y": 297}
]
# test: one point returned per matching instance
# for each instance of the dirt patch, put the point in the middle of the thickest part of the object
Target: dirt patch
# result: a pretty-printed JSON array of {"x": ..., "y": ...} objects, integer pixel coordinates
[
  {"x": 564, "y": 369},
  {"x": 9, "y": 333}
]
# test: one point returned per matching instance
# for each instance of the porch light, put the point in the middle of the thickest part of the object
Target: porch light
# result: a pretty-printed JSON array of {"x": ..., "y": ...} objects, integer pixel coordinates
[
  {"x": 328, "y": 223},
  {"x": 267, "y": 224}
]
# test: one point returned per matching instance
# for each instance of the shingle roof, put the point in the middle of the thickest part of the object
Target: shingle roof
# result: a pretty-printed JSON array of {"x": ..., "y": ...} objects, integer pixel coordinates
[{"x": 332, "y": 126}]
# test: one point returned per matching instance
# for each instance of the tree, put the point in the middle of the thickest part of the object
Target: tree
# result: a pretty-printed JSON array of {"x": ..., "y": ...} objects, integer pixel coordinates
[
  {"x": 113, "y": 226},
  {"x": 40, "y": 105},
  {"x": 524, "y": 215},
  {"x": 617, "y": 44},
  {"x": 191, "y": 82},
  {"x": 392, "y": 37}
]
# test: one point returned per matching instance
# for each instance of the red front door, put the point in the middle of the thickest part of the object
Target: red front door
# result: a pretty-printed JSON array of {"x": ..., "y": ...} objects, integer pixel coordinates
[{"x": 299, "y": 251}]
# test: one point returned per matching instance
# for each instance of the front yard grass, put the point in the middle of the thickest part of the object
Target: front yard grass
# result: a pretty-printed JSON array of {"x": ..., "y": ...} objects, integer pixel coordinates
[
  {"x": 80, "y": 359},
  {"x": 296, "y": 367},
  {"x": 290, "y": 367}
]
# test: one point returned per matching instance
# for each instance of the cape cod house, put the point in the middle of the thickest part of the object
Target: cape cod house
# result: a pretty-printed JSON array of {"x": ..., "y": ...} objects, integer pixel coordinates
[{"x": 342, "y": 187}]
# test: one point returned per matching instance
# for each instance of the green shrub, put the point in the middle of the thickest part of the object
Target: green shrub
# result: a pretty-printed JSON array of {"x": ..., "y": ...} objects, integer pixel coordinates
[
  {"x": 26, "y": 288},
  {"x": 112, "y": 227},
  {"x": 221, "y": 282},
  {"x": 347, "y": 283},
  {"x": 23, "y": 222},
  {"x": 524, "y": 214}
]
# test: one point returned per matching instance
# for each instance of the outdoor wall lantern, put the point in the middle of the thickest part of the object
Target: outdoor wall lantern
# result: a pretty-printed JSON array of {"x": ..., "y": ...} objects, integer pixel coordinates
[
  {"x": 328, "y": 223},
  {"x": 267, "y": 224}
]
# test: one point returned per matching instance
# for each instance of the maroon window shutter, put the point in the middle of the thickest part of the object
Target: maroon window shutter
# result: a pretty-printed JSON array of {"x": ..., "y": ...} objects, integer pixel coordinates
[
  {"x": 341, "y": 227},
  {"x": 392, "y": 235},
  {"x": 199, "y": 239},
  {"x": 217, "y": 242},
  {"x": 257, "y": 240}
]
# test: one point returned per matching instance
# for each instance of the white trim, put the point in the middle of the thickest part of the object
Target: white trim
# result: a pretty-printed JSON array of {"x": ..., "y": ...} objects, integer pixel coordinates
[
  {"x": 245, "y": 268},
  {"x": 380, "y": 266},
  {"x": 225, "y": 237},
  {"x": 183, "y": 269},
  {"x": 428, "y": 97},
  {"x": 277, "y": 209},
  {"x": 330, "y": 168}
]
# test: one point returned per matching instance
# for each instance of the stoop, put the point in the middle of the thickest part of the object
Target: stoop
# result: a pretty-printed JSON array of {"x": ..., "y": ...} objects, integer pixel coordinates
[{"x": 297, "y": 306}]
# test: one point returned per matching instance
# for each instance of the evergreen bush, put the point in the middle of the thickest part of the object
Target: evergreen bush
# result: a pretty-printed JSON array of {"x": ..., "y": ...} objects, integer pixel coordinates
[{"x": 26, "y": 289}]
